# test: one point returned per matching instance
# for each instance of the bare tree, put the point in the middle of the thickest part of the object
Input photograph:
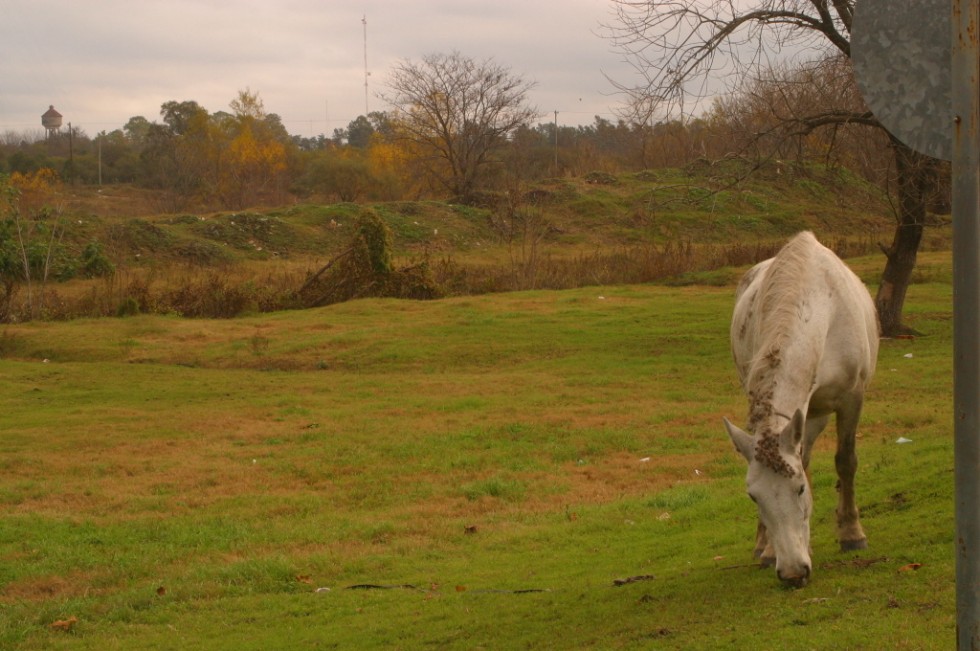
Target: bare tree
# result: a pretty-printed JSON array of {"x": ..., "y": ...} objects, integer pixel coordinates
[
  {"x": 688, "y": 50},
  {"x": 457, "y": 112}
]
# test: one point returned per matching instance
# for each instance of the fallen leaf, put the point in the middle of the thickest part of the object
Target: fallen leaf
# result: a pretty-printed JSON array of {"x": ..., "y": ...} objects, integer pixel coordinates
[
  {"x": 161, "y": 591},
  {"x": 304, "y": 578},
  {"x": 471, "y": 529},
  {"x": 909, "y": 567},
  {"x": 64, "y": 624},
  {"x": 461, "y": 588}
]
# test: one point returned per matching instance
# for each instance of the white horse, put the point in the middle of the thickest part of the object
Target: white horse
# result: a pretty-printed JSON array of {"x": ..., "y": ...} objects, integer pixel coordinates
[{"x": 805, "y": 342}]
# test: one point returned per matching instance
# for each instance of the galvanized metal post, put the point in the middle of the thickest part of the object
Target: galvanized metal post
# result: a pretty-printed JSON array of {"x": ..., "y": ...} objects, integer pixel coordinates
[{"x": 966, "y": 315}]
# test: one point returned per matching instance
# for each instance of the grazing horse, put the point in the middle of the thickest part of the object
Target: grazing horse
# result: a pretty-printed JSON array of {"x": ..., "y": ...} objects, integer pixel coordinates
[{"x": 805, "y": 341}]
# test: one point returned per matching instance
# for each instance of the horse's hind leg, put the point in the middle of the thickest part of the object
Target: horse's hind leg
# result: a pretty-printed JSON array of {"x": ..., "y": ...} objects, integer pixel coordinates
[{"x": 849, "y": 531}]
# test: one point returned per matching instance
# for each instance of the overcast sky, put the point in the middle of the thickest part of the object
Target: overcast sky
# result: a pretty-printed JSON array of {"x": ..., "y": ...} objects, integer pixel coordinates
[{"x": 100, "y": 62}]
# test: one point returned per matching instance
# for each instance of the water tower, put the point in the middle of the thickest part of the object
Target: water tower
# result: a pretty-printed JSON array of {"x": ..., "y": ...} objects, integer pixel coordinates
[{"x": 51, "y": 120}]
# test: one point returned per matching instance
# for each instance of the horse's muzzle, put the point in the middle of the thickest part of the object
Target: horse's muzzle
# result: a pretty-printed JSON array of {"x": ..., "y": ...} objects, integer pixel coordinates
[{"x": 797, "y": 579}]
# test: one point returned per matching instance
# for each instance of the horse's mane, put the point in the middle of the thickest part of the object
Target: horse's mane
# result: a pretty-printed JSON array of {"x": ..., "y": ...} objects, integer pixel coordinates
[
  {"x": 779, "y": 316},
  {"x": 784, "y": 284}
]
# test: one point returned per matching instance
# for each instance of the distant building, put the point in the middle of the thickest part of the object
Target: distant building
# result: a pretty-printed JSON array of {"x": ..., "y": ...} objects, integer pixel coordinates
[{"x": 51, "y": 120}]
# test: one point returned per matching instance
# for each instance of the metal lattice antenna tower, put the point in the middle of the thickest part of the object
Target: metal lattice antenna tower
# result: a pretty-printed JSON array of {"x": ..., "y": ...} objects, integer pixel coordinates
[{"x": 366, "y": 73}]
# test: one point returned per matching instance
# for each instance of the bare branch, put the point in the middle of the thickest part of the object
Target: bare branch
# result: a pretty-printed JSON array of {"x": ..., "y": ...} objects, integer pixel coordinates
[
  {"x": 457, "y": 112},
  {"x": 682, "y": 48},
  {"x": 811, "y": 122}
]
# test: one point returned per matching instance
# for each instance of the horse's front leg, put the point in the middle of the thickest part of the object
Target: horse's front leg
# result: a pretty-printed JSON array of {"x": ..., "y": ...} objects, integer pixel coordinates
[{"x": 849, "y": 531}]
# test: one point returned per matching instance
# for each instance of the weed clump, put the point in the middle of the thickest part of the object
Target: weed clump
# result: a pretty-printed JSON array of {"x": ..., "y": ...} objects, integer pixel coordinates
[
  {"x": 365, "y": 268},
  {"x": 129, "y": 306},
  {"x": 95, "y": 263}
]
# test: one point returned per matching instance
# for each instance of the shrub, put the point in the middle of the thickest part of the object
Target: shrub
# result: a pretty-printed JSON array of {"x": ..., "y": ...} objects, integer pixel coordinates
[
  {"x": 95, "y": 264},
  {"x": 129, "y": 306}
]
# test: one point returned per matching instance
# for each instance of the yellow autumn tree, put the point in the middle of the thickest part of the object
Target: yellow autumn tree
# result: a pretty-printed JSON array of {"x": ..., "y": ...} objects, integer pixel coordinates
[
  {"x": 255, "y": 160},
  {"x": 392, "y": 163},
  {"x": 36, "y": 189}
]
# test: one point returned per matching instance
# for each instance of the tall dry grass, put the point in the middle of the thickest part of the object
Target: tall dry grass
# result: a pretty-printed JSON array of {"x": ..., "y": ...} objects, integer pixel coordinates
[{"x": 234, "y": 290}]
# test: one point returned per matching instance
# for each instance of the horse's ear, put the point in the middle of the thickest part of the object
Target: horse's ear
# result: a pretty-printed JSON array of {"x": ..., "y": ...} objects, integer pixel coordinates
[
  {"x": 743, "y": 441},
  {"x": 792, "y": 434}
]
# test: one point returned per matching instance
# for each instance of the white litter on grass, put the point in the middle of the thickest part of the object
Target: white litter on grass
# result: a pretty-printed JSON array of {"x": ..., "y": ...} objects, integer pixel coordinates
[
  {"x": 319, "y": 590},
  {"x": 907, "y": 355},
  {"x": 902, "y": 439},
  {"x": 644, "y": 459}
]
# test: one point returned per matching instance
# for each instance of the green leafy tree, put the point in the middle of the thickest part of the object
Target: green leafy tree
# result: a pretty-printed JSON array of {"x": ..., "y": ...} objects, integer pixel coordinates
[
  {"x": 359, "y": 132},
  {"x": 342, "y": 175},
  {"x": 136, "y": 130},
  {"x": 177, "y": 154}
]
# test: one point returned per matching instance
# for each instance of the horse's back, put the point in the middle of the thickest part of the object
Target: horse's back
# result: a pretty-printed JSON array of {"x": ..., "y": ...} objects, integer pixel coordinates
[{"x": 806, "y": 291}]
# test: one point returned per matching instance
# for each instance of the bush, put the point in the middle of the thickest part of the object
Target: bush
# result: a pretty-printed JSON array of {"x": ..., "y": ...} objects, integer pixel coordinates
[
  {"x": 129, "y": 306},
  {"x": 375, "y": 235},
  {"x": 95, "y": 264}
]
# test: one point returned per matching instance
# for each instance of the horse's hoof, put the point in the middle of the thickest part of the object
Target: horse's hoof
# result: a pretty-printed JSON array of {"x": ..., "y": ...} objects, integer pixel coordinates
[{"x": 853, "y": 545}]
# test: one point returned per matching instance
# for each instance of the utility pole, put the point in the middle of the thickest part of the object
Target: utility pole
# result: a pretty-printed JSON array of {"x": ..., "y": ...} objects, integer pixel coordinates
[
  {"x": 931, "y": 101},
  {"x": 556, "y": 143},
  {"x": 71, "y": 153},
  {"x": 966, "y": 293}
]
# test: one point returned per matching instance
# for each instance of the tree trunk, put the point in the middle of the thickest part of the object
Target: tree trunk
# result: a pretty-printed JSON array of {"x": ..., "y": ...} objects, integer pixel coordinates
[{"x": 911, "y": 168}]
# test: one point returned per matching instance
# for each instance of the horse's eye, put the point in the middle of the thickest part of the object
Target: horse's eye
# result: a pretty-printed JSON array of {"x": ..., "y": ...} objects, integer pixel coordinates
[{"x": 802, "y": 488}]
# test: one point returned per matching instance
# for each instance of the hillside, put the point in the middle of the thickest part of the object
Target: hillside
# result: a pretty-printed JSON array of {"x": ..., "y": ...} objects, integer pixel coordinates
[
  {"x": 702, "y": 204},
  {"x": 639, "y": 227}
]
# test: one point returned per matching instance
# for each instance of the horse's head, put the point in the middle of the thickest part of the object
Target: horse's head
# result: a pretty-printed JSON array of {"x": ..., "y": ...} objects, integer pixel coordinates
[{"x": 778, "y": 484}]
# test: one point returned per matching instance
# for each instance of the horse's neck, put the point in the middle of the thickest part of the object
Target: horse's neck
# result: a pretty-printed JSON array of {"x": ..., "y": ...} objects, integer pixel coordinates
[{"x": 782, "y": 378}]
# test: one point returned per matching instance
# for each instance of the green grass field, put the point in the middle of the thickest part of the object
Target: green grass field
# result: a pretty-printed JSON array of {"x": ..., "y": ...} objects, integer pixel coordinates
[{"x": 504, "y": 459}]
